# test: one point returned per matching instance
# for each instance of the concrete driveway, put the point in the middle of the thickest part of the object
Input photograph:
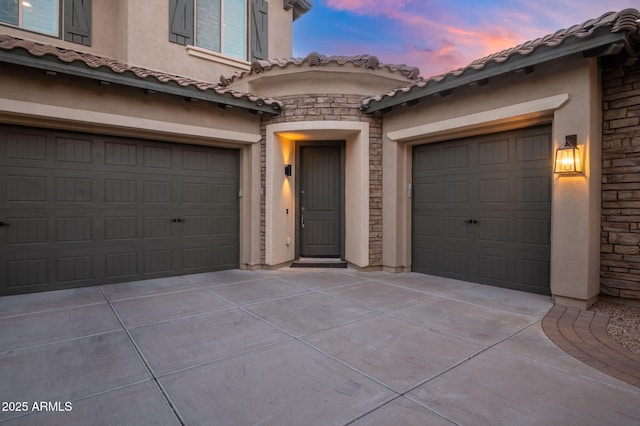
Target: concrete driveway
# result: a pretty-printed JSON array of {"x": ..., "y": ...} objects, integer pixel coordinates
[{"x": 295, "y": 347}]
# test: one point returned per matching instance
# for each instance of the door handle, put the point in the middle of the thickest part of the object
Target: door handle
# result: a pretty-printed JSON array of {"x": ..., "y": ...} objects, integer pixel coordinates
[
  {"x": 176, "y": 220},
  {"x": 5, "y": 224},
  {"x": 471, "y": 221},
  {"x": 302, "y": 222}
]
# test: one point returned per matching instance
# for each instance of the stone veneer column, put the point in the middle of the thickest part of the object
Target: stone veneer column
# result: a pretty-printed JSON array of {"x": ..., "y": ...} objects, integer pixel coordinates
[
  {"x": 620, "y": 248},
  {"x": 324, "y": 107}
]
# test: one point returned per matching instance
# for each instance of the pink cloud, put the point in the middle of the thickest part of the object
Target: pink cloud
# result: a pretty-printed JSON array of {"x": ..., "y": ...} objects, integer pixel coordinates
[
  {"x": 439, "y": 37},
  {"x": 368, "y": 7}
]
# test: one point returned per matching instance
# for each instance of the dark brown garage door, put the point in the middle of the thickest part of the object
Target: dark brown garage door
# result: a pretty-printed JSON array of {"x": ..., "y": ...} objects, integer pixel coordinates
[
  {"x": 482, "y": 209},
  {"x": 81, "y": 209}
]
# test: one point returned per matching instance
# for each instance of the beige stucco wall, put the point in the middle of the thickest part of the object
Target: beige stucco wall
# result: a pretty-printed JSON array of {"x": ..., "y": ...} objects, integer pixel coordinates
[
  {"x": 107, "y": 30},
  {"x": 511, "y": 101},
  {"x": 136, "y": 32},
  {"x": 124, "y": 104},
  {"x": 147, "y": 43}
]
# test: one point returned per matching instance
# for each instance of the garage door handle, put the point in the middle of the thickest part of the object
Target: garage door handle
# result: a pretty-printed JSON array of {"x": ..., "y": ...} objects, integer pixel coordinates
[
  {"x": 177, "y": 220},
  {"x": 471, "y": 221},
  {"x": 5, "y": 224}
]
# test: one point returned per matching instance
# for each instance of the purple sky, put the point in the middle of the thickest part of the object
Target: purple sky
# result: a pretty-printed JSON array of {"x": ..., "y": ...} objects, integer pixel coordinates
[{"x": 435, "y": 35}]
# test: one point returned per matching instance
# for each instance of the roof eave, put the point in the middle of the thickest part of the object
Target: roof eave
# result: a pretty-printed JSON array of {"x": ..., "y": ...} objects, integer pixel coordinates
[
  {"x": 514, "y": 63},
  {"x": 300, "y": 7},
  {"x": 128, "y": 79}
]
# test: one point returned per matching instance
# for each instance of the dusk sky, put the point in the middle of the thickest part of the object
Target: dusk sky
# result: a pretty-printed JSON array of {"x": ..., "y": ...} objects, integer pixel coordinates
[{"x": 436, "y": 35}]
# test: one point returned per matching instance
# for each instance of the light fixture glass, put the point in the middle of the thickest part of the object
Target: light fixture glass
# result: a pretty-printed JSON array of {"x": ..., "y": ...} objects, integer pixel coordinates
[{"x": 568, "y": 159}]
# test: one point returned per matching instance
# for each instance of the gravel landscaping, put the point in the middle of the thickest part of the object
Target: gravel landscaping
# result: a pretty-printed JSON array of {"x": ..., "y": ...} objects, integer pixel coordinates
[{"x": 624, "y": 323}]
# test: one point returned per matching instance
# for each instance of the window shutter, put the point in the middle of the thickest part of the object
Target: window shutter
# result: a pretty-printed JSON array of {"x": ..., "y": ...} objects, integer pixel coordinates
[
  {"x": 77, "y": 21},
  {"x": 181, "y": 21},
  {"x": 259, "y": 27}
]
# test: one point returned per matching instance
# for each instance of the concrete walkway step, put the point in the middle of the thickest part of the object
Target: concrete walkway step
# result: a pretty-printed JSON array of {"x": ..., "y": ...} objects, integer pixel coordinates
[{"x": 319, "y": 262}]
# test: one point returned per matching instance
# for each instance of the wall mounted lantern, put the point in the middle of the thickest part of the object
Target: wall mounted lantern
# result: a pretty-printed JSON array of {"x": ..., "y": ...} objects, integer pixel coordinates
[
  {"x": 568, "y": 159},
  {"x": 287, "y": 170}
]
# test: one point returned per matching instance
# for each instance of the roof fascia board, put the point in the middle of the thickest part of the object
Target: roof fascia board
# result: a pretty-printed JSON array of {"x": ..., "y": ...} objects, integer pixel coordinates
[
  {"x": 80, "y": 70},
  {"x": 512, "y": 64}
]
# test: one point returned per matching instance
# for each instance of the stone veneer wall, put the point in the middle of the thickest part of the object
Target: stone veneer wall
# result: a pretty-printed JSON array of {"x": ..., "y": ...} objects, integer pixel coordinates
[
  {"x": 620, "y": 248},
  {"x": 321, "y": 107}
]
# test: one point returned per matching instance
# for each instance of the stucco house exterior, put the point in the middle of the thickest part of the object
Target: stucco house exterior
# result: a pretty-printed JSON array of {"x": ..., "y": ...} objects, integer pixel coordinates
[{"x": 139, "y": 141}]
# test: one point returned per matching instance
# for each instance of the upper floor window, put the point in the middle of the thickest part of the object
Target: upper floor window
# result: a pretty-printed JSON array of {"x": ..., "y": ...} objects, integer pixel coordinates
[
  {"x": 35, "y": 15},
  {"x": 221, "y": 26},
  {"x": 235, "y": 28},
  {"x": 43, "y": 16}
]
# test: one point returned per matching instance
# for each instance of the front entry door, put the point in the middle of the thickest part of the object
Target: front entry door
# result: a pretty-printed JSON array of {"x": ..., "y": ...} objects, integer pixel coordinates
[{"x": 320, "y": 201}]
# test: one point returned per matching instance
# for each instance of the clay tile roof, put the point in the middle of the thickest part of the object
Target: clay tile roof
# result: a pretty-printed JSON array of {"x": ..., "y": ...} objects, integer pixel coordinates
[
  {"x": 315, "y": 59},
  {"x": 625, "y": 21},
  {"x": 104, "y": 65}
]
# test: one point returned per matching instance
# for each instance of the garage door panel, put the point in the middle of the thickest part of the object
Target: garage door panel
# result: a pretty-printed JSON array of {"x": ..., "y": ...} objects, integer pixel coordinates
[
  {"x": 121, "y": 265},
  {"x": 224, "y": 224},
  {"x": 453, "y": 227},
  {"x": 21, "y": 188},
  {"x": 73, "y": 150},
  {"x": 426, "y": 226},
  {"x": 197, "y": 192},
  {"x": 533, "y": 231},
  {"x": 225, "y": 257},
  {"x": 493, "y": 267},
  {"x": 225, "y": 194},
  {"x": 157, "y": 227},
  {"x": 120, "y": 227},
  {"x": 26, "y": 273},
  {"x": 426, "y": 193},
  {"x": 533, "y": 189},
  {"x": 74, "y": 268},
  {"x": 120, "y": 190},
  {"x": 197, "y": 225},
  {"x": 156, "y": 261},
  {"x": 87, "y": 209},
  {"x": 492, "y": 229},
  {"x": 454, "y": 262},
  {"x": 493, "y": 190},
  {"x": 493, "y": 152},
  {"x": 454, "y": 157},
  {"x": 74, "y": 229},
  {"x": 157, "y": 191},
  {"x": 197, "y": 258},
  {"x": 531, "y": 273},
  {"x": 26, "y": 230},
  {"x": 535, "y": 147},
  {"x": 429, "y": 259},
  {"x": 455, "y": 192},
  {"x": 157, "y": 157},
  {"x": 120, "y": 154},
  {"x": 502, "y": 183},
  {"x": 26, "y": 146}
]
